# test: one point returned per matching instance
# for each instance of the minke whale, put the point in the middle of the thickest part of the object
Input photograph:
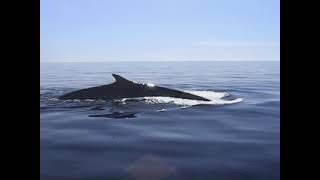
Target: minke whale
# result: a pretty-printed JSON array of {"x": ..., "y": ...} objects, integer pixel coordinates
[{"x": 123, "y": 88}]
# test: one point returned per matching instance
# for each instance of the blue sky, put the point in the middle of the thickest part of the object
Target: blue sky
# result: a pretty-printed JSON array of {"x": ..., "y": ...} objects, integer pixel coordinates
[{"x": 159, "y": 30}]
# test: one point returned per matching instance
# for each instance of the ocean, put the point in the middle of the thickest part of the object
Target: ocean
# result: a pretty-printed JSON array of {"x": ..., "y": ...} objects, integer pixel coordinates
[{"x": 235, "y": 136}]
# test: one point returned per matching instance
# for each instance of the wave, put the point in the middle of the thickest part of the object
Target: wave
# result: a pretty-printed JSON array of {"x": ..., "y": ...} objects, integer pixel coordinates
[{"x": 216, "y": 98}]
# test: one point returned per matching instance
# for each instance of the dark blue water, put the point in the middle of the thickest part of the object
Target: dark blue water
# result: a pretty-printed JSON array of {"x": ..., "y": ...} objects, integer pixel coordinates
[{"x": 167, "y": 138}]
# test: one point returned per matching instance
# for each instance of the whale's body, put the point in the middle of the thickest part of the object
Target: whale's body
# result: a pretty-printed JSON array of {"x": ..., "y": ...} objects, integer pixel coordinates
[{"x": 123, "y": 88}]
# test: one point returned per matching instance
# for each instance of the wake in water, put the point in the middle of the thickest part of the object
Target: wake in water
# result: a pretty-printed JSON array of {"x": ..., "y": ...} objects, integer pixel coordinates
[
  {"x": 129, "y": 107},
  {"x": 216, "y": 98}
]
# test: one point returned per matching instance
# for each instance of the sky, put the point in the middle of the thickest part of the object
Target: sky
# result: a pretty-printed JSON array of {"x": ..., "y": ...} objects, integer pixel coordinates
[{"x": 159, "y": 30}]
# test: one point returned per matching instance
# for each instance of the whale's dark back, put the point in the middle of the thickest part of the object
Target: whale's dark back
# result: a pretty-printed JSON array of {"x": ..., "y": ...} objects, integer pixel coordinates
[{"x": 123, "y": 88}]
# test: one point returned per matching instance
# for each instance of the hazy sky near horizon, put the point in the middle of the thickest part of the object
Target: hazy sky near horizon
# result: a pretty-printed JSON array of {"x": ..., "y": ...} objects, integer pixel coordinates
[{"x": 157, "y": 30}]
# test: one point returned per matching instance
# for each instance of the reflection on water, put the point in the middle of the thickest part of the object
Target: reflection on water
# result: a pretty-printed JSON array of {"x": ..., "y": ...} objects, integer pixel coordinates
[
  {"x": 150, "y": 167},
  {"x": 116, "y": 115}
]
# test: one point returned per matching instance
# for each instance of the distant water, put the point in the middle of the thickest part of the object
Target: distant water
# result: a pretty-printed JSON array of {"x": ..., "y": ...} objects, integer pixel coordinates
[{"x": 235, "y": 136}]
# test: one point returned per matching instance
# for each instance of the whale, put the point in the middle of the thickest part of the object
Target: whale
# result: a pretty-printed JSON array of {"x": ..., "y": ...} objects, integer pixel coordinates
[{"x": 124, "y": 88}]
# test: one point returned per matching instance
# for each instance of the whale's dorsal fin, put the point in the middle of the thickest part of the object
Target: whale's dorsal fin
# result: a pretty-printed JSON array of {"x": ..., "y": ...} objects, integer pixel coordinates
[{"x": 120, "y": 79}]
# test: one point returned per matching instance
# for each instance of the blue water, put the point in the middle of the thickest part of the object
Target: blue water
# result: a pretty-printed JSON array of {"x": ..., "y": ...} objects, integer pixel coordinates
[{"x": 170, "y": 138}]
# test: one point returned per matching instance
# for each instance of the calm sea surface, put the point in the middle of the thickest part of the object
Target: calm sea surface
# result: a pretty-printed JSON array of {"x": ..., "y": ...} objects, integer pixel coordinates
[{"x": 234, "y": 137}]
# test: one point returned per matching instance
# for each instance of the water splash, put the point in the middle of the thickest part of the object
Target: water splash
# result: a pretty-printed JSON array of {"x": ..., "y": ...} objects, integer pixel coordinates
[{"x": 216, "y": 98}]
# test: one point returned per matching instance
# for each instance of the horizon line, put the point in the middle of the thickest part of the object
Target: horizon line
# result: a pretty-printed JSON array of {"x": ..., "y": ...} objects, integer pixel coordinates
[{"x": 271, "y": 60}]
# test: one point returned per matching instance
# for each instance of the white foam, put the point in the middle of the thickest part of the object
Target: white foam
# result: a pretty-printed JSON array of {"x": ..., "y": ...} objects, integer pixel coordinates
[{"x": 216, "y": 98}]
